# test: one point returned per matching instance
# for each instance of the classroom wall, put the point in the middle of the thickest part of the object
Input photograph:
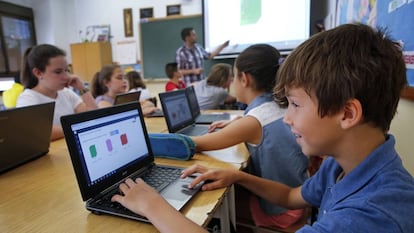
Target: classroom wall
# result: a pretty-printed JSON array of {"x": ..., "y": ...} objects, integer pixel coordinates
[
  {"x": 402, "y": 128},
  {"x": 93, "y": 12},
  {"x": 58, "y": 22}
]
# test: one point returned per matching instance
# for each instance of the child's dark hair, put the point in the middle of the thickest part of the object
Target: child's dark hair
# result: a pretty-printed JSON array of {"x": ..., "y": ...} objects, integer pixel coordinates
[
  {"x": 135, "y": 80},
  {"x": 261, "y": 61},
  {"x": 186, "y": 32},
  {"x": 170, "y": 69},
  {"x": 219, "y": 75},
  {"x": 100, "y": 78},
  {"x": 37, "y": 57},
  {"x": 351, "y": 61}
]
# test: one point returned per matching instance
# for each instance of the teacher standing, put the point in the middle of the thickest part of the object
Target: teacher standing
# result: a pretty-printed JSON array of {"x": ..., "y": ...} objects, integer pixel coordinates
[{"x": 190, "y": 56}]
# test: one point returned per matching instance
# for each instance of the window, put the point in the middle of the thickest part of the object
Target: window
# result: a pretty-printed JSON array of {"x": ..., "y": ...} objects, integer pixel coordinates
[{"x": 17, "y": 33}]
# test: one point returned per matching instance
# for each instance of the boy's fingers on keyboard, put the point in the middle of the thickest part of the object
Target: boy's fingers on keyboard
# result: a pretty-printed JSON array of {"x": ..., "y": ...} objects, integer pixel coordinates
[
  {"x": 129, "y": 182},
  {"x": 192, "y": 170},
  {"x": 116, "y": 198}
]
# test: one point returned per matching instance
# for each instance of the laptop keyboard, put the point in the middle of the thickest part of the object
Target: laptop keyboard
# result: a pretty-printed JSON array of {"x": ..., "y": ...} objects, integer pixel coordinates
[
  {"x": 194, "y": 130},
  {"x": 212, "y": 117},
  {"x": 156, "y": 177}
]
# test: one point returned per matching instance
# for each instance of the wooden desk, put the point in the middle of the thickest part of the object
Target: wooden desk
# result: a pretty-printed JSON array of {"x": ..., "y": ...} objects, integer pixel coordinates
[
  {"x": 156, "y": 125},
  {"x": 43, "y": 196}
]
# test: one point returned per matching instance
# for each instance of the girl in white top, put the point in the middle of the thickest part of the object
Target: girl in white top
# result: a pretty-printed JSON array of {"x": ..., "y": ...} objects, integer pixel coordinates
[
  {"x": 213, "y": 92},
  {"x": 136, "y": 84},
  {"x": 109, "y": 82},
  {"x": 46, "y": 78}
]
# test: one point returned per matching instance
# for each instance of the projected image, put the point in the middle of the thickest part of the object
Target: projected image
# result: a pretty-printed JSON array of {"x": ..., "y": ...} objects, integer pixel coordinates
[
  {"x": 250, "y": 12},
  {"x": 283, "y": 24}
]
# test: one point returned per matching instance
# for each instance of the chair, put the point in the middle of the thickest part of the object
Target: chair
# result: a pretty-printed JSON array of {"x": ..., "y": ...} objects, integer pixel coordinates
[
  {"x": 247, "y": 226},
  {"x": 10, "y": 96}
]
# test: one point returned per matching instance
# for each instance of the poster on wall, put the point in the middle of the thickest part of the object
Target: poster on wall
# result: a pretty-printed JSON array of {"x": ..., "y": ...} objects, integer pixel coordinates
[
  {"x": 173, "y": 10},
  {"x": 145, "y": 13},
  {"x": 126, "y": 52},
  {"x": 395, "y": 15},
  {"x": 128, "y": 29}
]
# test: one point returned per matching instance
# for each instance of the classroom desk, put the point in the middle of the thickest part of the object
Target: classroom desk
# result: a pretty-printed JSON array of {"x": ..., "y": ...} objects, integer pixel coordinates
[{"x": 43, "y": 196}]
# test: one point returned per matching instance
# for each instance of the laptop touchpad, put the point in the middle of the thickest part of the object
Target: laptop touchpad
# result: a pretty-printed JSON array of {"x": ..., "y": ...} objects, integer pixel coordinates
[{"x": 179, "y": 190}]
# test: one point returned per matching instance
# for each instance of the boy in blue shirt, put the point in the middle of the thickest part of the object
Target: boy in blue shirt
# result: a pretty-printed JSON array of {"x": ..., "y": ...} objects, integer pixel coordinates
[{"x": 342, "y": 88}]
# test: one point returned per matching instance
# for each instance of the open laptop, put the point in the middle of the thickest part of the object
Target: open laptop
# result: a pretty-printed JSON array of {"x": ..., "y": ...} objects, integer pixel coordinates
[
  {"x": 195, "y": 110},
  {"x": 107, "y": 146},
  {"x": 24, "y": 134},
  {"x": 127, "y": 97},
  {"x": 134, "y": 96},
  {"x": 178, "y": 116}
]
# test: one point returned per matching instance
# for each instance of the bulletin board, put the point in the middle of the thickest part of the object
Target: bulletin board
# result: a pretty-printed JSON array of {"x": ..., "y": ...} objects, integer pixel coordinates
[{"x": 395, "y": 15}]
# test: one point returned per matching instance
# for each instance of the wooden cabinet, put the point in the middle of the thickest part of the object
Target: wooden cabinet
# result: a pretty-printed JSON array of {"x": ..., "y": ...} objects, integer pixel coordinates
[{"x": 89, "y": 57}]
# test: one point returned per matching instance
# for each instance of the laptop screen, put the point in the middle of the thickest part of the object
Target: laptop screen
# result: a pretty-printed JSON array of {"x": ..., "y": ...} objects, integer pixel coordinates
[
  {"x": 176, "y": 110},
  {"x": 127, "y": 97},
  {"x": 109, "y": 144},
  {"x": 192, "y": 98},
  {"x": 106, "y": 145}
]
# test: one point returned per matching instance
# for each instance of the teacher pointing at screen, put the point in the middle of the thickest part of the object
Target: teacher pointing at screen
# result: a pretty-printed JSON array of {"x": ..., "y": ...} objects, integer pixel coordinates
[{"x": 190, "y": 56}]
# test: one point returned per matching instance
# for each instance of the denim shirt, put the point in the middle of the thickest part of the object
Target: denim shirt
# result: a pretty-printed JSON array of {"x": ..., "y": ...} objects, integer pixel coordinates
[
  {"x": 278, "y": 156},
  {"x": 376, "y": 196}
]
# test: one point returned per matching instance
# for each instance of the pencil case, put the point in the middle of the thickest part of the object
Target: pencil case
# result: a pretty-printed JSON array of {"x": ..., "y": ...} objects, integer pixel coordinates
[{"x": 172, "y": 146}]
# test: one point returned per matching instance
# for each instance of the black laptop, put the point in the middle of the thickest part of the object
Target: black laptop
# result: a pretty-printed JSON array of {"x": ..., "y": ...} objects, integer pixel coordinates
[
  {"x": 178, "y": 116},
  {"x": 134, "y": 96},
  {"x": 107, "y": 146},
  {"x": 24, "y": 134},
  {"x": 195, "y": 110},
  {"x": 127, "y": 97}
]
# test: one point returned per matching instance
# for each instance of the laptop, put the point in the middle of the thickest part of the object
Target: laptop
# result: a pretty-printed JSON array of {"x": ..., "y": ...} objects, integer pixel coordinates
[
  {"x": 195, "y": 110},
  {"x": 127, "y": 97},
  {"x": 134, "y": 96},
  {"x": 177, "y": 113},
  {"x": 111, "y": 144},
  {"x": 24, "y": 134}
]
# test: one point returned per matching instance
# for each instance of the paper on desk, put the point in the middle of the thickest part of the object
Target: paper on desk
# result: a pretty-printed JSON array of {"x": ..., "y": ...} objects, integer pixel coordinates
[{"x": 229, "y": 155}]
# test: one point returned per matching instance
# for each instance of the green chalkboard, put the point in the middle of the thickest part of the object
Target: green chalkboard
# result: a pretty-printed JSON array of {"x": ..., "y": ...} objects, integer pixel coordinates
[{"x": 160, "y": 39}]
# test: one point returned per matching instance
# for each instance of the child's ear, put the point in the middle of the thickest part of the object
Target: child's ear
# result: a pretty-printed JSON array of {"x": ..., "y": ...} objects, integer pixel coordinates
[
  {"x": 352, "y": 113},
  {"x": 245, "y": 79},
  {"x": 37, "y": 73}
]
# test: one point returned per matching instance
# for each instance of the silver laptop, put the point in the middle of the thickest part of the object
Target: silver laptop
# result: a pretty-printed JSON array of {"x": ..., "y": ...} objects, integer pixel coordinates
[
  {"x": 195, "y": 110},
  {"x": 107, "y": 146},
  {"x": 24, "y": 134},
  {"x": 127, "y": 97},
  {"x": 178, "y": 116}
]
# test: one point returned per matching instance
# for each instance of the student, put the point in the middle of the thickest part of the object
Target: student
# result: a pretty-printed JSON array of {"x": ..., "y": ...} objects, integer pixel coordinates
[
  {"x": 109, "y": 82},
  {"x": 332, "y": 109},
  {"x": 213, "y": 92},
  {"x": 135, "y": 83},
  {"x": 190, "y": 56},
  {"x": 45, "y": 78},
  {"x": 174, "y": 75},
  {"x": 106, "y": 84},
  {"x": 267, "y": 138}
]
